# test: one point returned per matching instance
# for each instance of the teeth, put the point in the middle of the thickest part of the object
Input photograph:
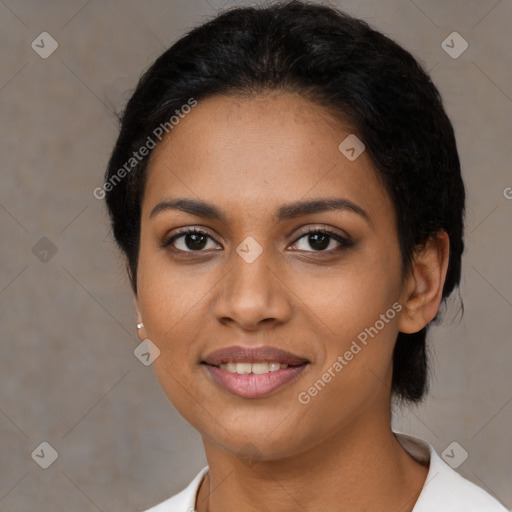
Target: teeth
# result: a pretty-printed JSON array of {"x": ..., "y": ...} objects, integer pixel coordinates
[
  {"x": 256, "y": 368},
  {"x": 243, "y": 368}
]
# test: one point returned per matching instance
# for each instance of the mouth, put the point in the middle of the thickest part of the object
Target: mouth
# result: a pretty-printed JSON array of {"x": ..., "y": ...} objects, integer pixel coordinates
[{"x": 253, "y": 372}]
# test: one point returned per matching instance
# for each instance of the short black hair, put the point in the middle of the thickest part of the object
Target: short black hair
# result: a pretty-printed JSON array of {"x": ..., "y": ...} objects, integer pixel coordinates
[{"x": 360, "y": 76}]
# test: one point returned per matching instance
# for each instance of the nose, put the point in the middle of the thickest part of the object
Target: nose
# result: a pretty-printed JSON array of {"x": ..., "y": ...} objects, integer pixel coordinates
[{"x": 253, "y": 294}]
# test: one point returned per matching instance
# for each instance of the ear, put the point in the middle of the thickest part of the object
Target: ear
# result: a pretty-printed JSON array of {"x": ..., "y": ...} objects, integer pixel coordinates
[
  {"x": 131, "y": 279},
  {"x": 141, "y": 333},
  {"x": 423, "y": 288}
]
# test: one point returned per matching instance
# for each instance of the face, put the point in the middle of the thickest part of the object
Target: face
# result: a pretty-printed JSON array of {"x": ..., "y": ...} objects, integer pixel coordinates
[{"x": 254, "y": 275}]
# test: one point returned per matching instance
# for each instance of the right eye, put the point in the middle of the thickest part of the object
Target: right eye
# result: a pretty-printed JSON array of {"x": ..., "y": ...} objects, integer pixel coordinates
[{"x": 190, "y": 240}]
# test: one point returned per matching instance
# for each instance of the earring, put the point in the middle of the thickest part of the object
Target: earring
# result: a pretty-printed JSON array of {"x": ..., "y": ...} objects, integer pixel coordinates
[{"x": 140, "y": 326}]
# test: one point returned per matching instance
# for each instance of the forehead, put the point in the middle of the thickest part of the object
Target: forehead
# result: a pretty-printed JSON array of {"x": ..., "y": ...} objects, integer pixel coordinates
[{"x": 260, "y": 151}]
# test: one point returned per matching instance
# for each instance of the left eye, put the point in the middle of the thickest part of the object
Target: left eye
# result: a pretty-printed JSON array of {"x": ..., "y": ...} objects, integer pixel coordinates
[{"x": 319, "y": 241}]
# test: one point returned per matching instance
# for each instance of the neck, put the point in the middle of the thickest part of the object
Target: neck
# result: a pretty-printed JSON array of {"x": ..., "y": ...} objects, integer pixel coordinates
[{"x": 361, "y": 468}]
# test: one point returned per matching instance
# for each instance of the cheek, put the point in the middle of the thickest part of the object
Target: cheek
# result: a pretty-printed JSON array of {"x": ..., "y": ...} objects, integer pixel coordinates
[
  {"x": 172, "y": 302},
  {"x": 350, "y": 298},
  {"x": 172, "y": 318},
  {"x": 356, "y": 367},
  {"x": 356, "y": 309},
  {"x": 169, "y": 294}
]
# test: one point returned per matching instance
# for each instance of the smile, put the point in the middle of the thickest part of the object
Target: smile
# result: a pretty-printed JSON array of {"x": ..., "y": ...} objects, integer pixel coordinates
[
  {"x": 253, "y": 372},
  {"x": 254, "y": 380}
]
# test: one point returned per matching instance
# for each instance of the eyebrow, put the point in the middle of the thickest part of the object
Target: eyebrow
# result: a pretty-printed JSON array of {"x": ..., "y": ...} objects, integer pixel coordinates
[{"x": 284, "y": 212}]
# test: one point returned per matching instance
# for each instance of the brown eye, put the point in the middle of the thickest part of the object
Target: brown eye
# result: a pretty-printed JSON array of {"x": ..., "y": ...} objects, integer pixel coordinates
[
  {"x": 191, "y": 240},
  {"x": 195, "y": 242},
  {"x": 318, "y": 240}
]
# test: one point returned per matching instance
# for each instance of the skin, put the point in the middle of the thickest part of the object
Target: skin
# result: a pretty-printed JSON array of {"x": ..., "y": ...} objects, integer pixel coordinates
[{"x": 248, "y": 156}]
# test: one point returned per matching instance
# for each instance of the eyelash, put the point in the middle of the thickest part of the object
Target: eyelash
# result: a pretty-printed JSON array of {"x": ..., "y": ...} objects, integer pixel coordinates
[{"x": 345, "y": 243}]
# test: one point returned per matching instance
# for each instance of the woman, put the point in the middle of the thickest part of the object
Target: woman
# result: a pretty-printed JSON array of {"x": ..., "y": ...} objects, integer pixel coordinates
[{"x": 287, "y": 192}]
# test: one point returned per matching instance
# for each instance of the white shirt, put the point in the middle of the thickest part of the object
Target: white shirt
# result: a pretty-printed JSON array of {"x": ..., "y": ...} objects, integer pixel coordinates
[{"x": 444, "y": 489}]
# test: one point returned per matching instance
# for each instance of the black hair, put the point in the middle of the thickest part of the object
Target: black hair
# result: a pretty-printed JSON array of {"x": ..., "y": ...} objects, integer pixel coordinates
[{"x": 341, "y": 63}]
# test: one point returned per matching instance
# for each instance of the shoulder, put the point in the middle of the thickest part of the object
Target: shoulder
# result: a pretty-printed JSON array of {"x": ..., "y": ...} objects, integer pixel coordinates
[
  {"x": 444, "y": 489},
  {"x": 185, "y": 500}
]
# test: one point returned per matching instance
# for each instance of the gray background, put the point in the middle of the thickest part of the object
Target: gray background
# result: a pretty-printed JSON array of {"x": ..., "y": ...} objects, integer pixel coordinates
[{"x": 68, "y": 375}]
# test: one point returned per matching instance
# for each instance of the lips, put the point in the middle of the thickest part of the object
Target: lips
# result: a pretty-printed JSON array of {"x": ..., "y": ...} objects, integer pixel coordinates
[{"x": 283, "y": 368}]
